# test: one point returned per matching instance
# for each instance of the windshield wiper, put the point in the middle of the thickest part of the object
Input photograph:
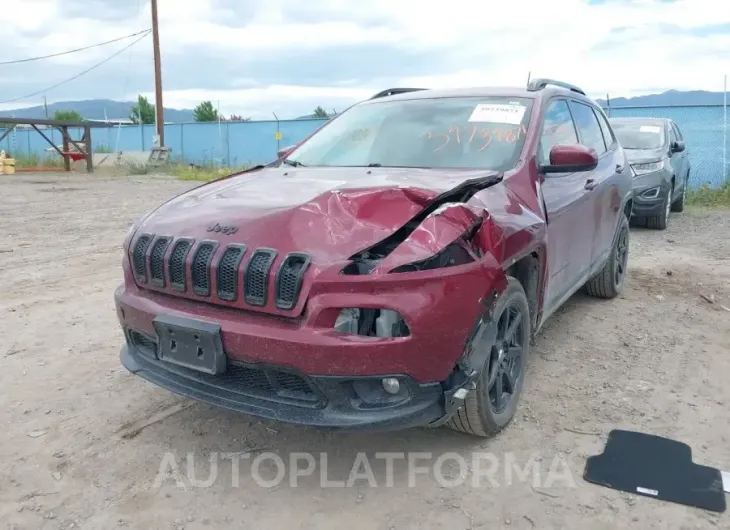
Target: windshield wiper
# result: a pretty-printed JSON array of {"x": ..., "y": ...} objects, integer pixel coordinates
[{"x": 293, "y": 163}]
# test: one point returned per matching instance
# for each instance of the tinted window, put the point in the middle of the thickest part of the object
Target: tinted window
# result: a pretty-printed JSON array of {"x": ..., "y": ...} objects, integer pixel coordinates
[
  {"x": 557, "y": 129},
  {"x": 638, "y": 135},
  {"x": 672, "y": 135},
  {"x": 590, "y": 131},
  {"x": 484, "y": 132},
  {"x": 605, "y": 129}
]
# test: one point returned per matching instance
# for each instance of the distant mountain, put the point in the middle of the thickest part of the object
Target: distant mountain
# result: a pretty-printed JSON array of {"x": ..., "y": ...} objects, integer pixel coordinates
[
  {"x": 93, "y": 109},
  {"x": 668, "y": 98}
]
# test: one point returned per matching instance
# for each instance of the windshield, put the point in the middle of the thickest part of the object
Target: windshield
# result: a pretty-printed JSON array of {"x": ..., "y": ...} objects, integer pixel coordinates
[
  {"x": 639, "y": 135},
  {"x": 484, "y": 132}
]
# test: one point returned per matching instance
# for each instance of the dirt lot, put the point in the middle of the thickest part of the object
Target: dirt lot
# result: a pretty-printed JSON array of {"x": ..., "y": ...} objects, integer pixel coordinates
[{"x": 82, "y": 440}]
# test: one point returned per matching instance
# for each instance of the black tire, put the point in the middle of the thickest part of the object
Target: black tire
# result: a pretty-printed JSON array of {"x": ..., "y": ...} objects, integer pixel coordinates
[
  {"x": 659, "y": 222},
  {"x": 678, "y": 205},
  {"x": 480, "y": 414},
  {"x": 608, "y": 282}
]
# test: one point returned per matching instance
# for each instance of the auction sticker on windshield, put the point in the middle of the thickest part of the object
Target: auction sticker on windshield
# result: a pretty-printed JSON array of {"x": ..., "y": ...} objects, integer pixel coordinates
[
  {"x": 650, "y": 129},
  {"x": 498, "y": 113}
]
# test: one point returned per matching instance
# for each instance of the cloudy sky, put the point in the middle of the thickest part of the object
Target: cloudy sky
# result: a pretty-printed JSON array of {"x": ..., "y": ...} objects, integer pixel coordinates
[{"x": 288, "y": 56}]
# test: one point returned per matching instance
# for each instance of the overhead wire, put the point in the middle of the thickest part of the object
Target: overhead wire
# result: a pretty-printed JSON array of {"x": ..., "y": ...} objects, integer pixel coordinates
[
  {"x": 97, "y": 65},
  {"x": 29, "y": 59}
]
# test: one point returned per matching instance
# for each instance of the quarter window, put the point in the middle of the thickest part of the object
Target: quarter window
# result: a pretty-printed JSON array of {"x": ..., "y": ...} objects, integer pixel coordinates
[{"x": 605, "y": 129}]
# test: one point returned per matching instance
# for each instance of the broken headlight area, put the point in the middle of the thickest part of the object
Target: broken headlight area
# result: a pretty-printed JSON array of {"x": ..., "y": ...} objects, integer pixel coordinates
[
  {"x": 371, "y": 323},
  {"x": 454, "y": 254}
]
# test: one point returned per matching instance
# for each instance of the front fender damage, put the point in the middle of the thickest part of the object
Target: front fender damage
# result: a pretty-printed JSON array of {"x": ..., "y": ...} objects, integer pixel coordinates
[{"x": 448, "y": 224}]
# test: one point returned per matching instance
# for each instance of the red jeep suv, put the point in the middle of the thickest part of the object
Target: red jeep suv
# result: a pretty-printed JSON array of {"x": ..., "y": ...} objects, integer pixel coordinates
[{"x": 390, "y": 270}]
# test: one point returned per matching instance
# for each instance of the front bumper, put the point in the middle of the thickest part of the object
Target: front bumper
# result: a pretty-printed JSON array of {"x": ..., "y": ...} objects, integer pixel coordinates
[
  {"x": 649, "y": 193},
  {"x": 327, "y": 402}
]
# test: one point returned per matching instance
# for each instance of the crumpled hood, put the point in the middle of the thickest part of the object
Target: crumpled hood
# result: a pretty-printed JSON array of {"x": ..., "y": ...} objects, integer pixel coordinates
[
  {"x": 331, "y": 213},
  {"x": 638, "y": 156}
]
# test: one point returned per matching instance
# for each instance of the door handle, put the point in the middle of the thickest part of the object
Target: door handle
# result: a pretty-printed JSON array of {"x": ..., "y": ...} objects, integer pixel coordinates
[
  {"x": 590, "y": 184},
  {"x": 619, "y": 168}
]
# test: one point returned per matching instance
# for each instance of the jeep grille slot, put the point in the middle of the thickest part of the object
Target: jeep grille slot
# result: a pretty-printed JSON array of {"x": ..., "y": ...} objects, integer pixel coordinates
[
  {"x": 200, "y": 271},
  {"x": 157, "y": 261},
  {"x": 257, "y": 276},
  {"x": 228, "y": 272},
  {"x": 289, "y": 279},
  {"x": 176, "y": 265},
  {"x": 139, "y": 256}
]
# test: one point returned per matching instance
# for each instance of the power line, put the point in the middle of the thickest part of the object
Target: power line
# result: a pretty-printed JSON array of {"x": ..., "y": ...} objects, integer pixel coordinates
[
  {"x": 29, "y": 59},
  {"x": 97, "y": 65}
]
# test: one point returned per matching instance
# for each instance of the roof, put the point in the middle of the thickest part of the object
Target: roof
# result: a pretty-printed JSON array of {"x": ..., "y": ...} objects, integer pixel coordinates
[{"x": 517, "y": 92}]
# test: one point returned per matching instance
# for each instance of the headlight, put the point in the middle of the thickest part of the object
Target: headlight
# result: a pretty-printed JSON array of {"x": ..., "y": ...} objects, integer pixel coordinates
[
  {"x": 371, "y": 323},
  {"x": 648, "y": 167}
]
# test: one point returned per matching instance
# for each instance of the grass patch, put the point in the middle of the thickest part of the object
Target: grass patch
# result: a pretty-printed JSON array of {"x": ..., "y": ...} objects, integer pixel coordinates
[
  {"x": 201, "y": 173},
  {"x": 36, "y": 160},
  {"x": 708, "y": 197}
]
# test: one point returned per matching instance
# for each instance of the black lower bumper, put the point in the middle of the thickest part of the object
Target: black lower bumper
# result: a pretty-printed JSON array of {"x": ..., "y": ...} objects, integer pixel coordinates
[
  {"x": 649, "y": 194},
  {"x": 350, "y": 403}
]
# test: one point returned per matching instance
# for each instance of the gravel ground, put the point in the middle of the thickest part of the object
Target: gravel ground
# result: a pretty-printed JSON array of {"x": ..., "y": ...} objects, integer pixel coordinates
[{"x": 83, "y": 440}]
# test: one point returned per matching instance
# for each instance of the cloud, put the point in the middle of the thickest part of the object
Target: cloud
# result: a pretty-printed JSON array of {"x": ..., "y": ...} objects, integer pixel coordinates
[{"x": 287, "y": 56}]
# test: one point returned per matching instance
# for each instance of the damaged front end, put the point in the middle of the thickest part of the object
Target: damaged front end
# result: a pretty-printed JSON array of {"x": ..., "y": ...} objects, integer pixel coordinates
[{"x": 448, "y": 232}]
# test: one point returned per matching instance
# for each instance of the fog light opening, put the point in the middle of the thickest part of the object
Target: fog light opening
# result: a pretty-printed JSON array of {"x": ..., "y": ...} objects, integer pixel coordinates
[
  {"x": 391, "y": 385},
  {"x": 369, "y": 322}
]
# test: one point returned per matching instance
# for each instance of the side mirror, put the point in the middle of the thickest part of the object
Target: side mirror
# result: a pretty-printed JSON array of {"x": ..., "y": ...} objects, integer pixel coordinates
[
  {"x": 571, "y": 158},
  {"x": 284, "y": 151},
  {"x": 677, "y": 147}
]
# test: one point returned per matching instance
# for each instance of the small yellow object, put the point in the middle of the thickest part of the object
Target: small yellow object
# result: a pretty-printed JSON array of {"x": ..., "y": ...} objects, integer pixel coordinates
[
  {"x": 278, "y": 135},
  {"x": 9, "y": 166}
]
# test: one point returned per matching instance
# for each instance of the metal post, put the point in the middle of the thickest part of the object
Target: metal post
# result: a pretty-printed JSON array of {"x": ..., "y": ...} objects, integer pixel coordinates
[
  {"x": 725, "y": 175},
  {"x": 89, "y": 150},
  {"x": 278, "y": 142},
  {"x": 66, "y": 160},
  {"x": 158, "y": 76}
]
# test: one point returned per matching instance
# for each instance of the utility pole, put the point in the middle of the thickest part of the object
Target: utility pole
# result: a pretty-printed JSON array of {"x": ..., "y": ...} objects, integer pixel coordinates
[
  {"x": 160, "y": 121},
  {"x": 45, "y": 105}
]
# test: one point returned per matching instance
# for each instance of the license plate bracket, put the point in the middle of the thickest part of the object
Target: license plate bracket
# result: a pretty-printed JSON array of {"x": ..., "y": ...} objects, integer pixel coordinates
[{"x": 190, "y": 343}]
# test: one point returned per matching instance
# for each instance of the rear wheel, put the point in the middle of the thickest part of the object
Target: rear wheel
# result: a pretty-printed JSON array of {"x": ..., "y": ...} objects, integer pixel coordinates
[
  {"x": 659, "y": 222},
  {"x": 608, "y": 282},
  {"x": 492, "y": 404}
]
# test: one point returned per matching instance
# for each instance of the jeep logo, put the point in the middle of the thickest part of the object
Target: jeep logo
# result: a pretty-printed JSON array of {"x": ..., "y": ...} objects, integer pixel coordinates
[{"x": 228, "y": 230}]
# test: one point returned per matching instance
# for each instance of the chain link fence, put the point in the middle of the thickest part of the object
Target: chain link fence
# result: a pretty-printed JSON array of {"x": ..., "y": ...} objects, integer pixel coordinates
[
  {"x": 235, "y": 144},
  {"x": 704, "y": 129}
]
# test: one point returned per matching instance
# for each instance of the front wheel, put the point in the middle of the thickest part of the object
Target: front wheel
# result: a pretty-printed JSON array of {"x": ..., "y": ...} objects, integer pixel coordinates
[
  {"x": 492, "y": 404},
  {"x": 608, "y": 282},
  {"x": 659, "y": 222},
  {"x": 678, "y": 205}
]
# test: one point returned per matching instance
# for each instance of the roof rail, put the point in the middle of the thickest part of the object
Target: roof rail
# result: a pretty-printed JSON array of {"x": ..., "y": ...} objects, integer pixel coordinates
[
  {"x": 539, "y": 84},
  {"x": 394, "y": 91}
]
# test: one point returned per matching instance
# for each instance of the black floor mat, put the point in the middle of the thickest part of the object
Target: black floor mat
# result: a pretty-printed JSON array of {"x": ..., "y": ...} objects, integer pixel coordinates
[{"x": 655, "y": 467}]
